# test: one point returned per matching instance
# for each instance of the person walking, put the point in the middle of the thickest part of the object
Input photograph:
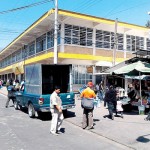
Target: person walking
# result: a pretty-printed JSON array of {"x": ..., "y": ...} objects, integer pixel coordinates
[
  {"x": 110, "y": 98},
  {"x": 88, "y": 93},
  {"x": 17, "y": 86},
  {"x": 11, "y": 91},
  {"x": 1, "y": 83},
  {"x": 7, "y": 83},
  {"x": 101, "y": 91},
  {"x": 56, "y": 111}
]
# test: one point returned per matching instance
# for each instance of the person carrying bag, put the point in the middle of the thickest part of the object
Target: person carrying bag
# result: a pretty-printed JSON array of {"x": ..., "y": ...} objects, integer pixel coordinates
[{"x": 87, "y": 104}]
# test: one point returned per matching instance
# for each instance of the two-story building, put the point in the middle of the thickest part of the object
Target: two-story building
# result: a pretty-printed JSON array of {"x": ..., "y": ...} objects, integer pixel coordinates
[{"x": 87, "y": 42}]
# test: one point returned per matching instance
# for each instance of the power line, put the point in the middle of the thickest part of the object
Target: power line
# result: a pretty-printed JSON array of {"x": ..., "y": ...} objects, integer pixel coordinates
[
  {"x": 114, "y": 9},
  {"x": 25, "y": 7},
  {"x": 129, "y": 8},
  {"x": 92, "y": 3}
]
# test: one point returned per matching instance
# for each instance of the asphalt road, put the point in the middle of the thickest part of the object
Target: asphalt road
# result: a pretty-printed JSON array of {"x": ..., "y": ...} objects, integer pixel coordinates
[{"x": 19, "y": 132}]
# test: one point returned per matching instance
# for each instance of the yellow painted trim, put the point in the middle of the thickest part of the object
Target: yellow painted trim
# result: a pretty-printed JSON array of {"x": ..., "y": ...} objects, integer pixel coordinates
[
  {"x": 88, "y": 57},
  {"x": 28, "y": 29},
  {"x": 5, "y": 69},
  {"x": 40, "y": 57},
  {"x": 64, "y": 56},
  {"x": 98, "y": 19},
  {"x": 30, "y": 60}
]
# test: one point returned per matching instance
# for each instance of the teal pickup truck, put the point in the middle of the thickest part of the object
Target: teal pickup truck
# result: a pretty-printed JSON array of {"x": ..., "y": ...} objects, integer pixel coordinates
[{"x": 40, "y": 80}]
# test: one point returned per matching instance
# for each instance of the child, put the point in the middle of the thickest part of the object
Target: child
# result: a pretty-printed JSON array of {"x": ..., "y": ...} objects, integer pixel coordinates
[{"x": 119, "y": 108}]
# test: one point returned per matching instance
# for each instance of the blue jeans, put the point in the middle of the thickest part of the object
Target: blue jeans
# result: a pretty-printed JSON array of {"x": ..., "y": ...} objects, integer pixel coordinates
[{"x": 101, "y": 95}]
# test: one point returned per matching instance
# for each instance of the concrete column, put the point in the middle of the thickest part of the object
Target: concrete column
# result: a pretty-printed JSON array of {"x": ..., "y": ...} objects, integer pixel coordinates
[
  {"x": 71, "y": 79},
  {"x": 62, "y": 36},
  {"x": 126, "y": 85},
  {"x": 125, "y": 46},
  {"x": 145, "y": 43},
  {"x": 94, "y": 41},
  {"x": 46, "y": 40},
  {"x": 94, "y": 77}
]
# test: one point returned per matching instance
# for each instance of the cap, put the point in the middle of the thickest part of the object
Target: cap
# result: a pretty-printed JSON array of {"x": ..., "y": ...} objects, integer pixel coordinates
[{"x": 90, "y": 84}]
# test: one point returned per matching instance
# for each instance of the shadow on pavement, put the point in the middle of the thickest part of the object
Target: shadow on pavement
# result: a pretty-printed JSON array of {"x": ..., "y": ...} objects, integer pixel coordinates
[
  {"x": 143, "y": 139},
  {"x": 95, "y": 120},
  {"x": 47, "y": 116}
]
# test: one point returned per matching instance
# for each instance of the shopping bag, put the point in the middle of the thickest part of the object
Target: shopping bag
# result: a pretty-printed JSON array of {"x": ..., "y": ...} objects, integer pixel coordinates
[{"x": 87, "y": 103}]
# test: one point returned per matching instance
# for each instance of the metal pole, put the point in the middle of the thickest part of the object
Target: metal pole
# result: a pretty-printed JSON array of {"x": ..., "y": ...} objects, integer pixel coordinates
[
  {"x": 55, "y": 31},
  {"x": 140, "y": 87},
  {"x": 115, "y": 44}
]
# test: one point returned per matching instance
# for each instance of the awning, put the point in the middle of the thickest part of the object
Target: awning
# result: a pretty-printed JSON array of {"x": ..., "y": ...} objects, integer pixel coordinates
[
  {"x": 18, "y": 68},
  {"x": 112, "y": 69},
  {"x": 104, "y": 63},
  {"x": 134, "y": 69},
  {"x": 100, "y": 73}
]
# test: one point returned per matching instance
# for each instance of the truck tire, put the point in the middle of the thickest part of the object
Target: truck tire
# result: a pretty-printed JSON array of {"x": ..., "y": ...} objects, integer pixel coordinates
[
  {"x": 31, "y": 111},
  {"x": 15, "y": 104}
]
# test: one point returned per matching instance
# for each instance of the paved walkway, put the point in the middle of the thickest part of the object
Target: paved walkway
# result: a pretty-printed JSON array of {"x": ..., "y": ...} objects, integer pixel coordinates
[
  {"x": 3, "y": 91},
  {"x": 131, "y": 131}
]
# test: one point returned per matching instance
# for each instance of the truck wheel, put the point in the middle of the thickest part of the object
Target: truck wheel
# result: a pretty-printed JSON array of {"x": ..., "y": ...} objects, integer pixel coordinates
[
  {"x": 16, "y": 105},
  {"x": 31, "y": 111}
]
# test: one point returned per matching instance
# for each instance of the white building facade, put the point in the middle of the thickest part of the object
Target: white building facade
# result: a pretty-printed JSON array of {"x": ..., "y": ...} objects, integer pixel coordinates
[{"x": 86, "y": 42}]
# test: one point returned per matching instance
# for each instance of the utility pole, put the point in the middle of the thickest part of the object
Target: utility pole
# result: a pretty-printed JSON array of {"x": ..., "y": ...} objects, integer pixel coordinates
[
  {"x": 55, "y": 32},
  {"x": 115, "y": 44}
]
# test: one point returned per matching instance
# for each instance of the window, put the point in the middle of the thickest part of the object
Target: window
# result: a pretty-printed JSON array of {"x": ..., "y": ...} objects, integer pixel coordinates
[
  {"x": 80, "y": 75},
  {"x": 78, "y": 35},
  {"x": 148, "y": 43},
  {"x": 134, "y": 43},
  {"x": 9, "y": 60},
  {"x": 25, "y": 52},
  {"x": 31, "y": 49},
  {"x": 41, "y": 43},
  {"x": 18, "y": 55},
  {"x": 106, "y": 39},
  {"x": 50, "y": 39},
  {"x": 13, "y": 57}
]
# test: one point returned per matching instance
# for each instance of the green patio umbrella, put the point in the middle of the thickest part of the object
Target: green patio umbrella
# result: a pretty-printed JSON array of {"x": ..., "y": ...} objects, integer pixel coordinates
[{"x": 135, "y": 69}]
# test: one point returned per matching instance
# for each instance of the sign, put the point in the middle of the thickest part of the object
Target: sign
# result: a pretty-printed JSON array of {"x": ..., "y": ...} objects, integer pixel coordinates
[{"x": 89, "y": 69}]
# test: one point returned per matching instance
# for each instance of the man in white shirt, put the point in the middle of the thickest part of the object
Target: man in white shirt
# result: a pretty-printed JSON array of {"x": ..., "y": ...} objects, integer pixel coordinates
[{"x": 57, "y": 115}]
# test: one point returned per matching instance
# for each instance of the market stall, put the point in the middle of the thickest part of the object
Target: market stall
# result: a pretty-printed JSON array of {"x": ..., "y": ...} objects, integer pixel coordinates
[{"x": 137, "y": 69}]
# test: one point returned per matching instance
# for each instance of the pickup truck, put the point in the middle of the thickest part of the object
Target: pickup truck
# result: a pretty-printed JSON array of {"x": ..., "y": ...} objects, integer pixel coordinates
[{"x": 40, "y": 80}]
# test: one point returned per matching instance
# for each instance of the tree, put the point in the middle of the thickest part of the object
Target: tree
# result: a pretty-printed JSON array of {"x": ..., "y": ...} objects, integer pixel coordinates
[{"x": 148, "y": 24}]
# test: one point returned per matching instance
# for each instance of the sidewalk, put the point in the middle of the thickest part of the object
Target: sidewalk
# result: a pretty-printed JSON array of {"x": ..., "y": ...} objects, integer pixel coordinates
[
  {"x": 4, "y": 91},
  {"x": 131, "y": 131}
]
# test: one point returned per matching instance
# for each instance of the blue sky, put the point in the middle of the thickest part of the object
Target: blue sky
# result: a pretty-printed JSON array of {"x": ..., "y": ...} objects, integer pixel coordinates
[{"x": 14, "y": 23}]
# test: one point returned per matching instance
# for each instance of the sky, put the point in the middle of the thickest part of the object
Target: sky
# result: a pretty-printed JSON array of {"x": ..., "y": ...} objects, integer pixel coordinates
[{"x": 13, "y": 23}]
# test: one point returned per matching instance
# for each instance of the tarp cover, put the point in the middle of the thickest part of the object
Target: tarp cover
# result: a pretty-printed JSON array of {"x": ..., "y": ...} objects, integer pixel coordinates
[{"x": 134, "y": 69}]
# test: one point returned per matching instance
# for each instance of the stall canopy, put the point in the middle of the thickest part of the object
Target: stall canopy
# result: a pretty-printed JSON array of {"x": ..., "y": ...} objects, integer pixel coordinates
[
  {"x": 142, "y": 77},
  {"x": 134, "y": 69}
]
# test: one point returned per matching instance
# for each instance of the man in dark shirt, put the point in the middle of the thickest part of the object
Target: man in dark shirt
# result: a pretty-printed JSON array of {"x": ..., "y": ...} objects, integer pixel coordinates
[{"x": 110, "y": 98}]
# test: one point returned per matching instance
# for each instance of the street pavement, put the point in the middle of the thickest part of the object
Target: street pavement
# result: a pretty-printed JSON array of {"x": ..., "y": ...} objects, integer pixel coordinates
[
  {"x": 19, "y": 132},
  {"x": 131, "y": 132}
]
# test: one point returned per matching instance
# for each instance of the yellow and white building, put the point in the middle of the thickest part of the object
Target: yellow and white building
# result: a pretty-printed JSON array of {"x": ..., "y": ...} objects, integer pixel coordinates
[{"x": 86, "y": 42}]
